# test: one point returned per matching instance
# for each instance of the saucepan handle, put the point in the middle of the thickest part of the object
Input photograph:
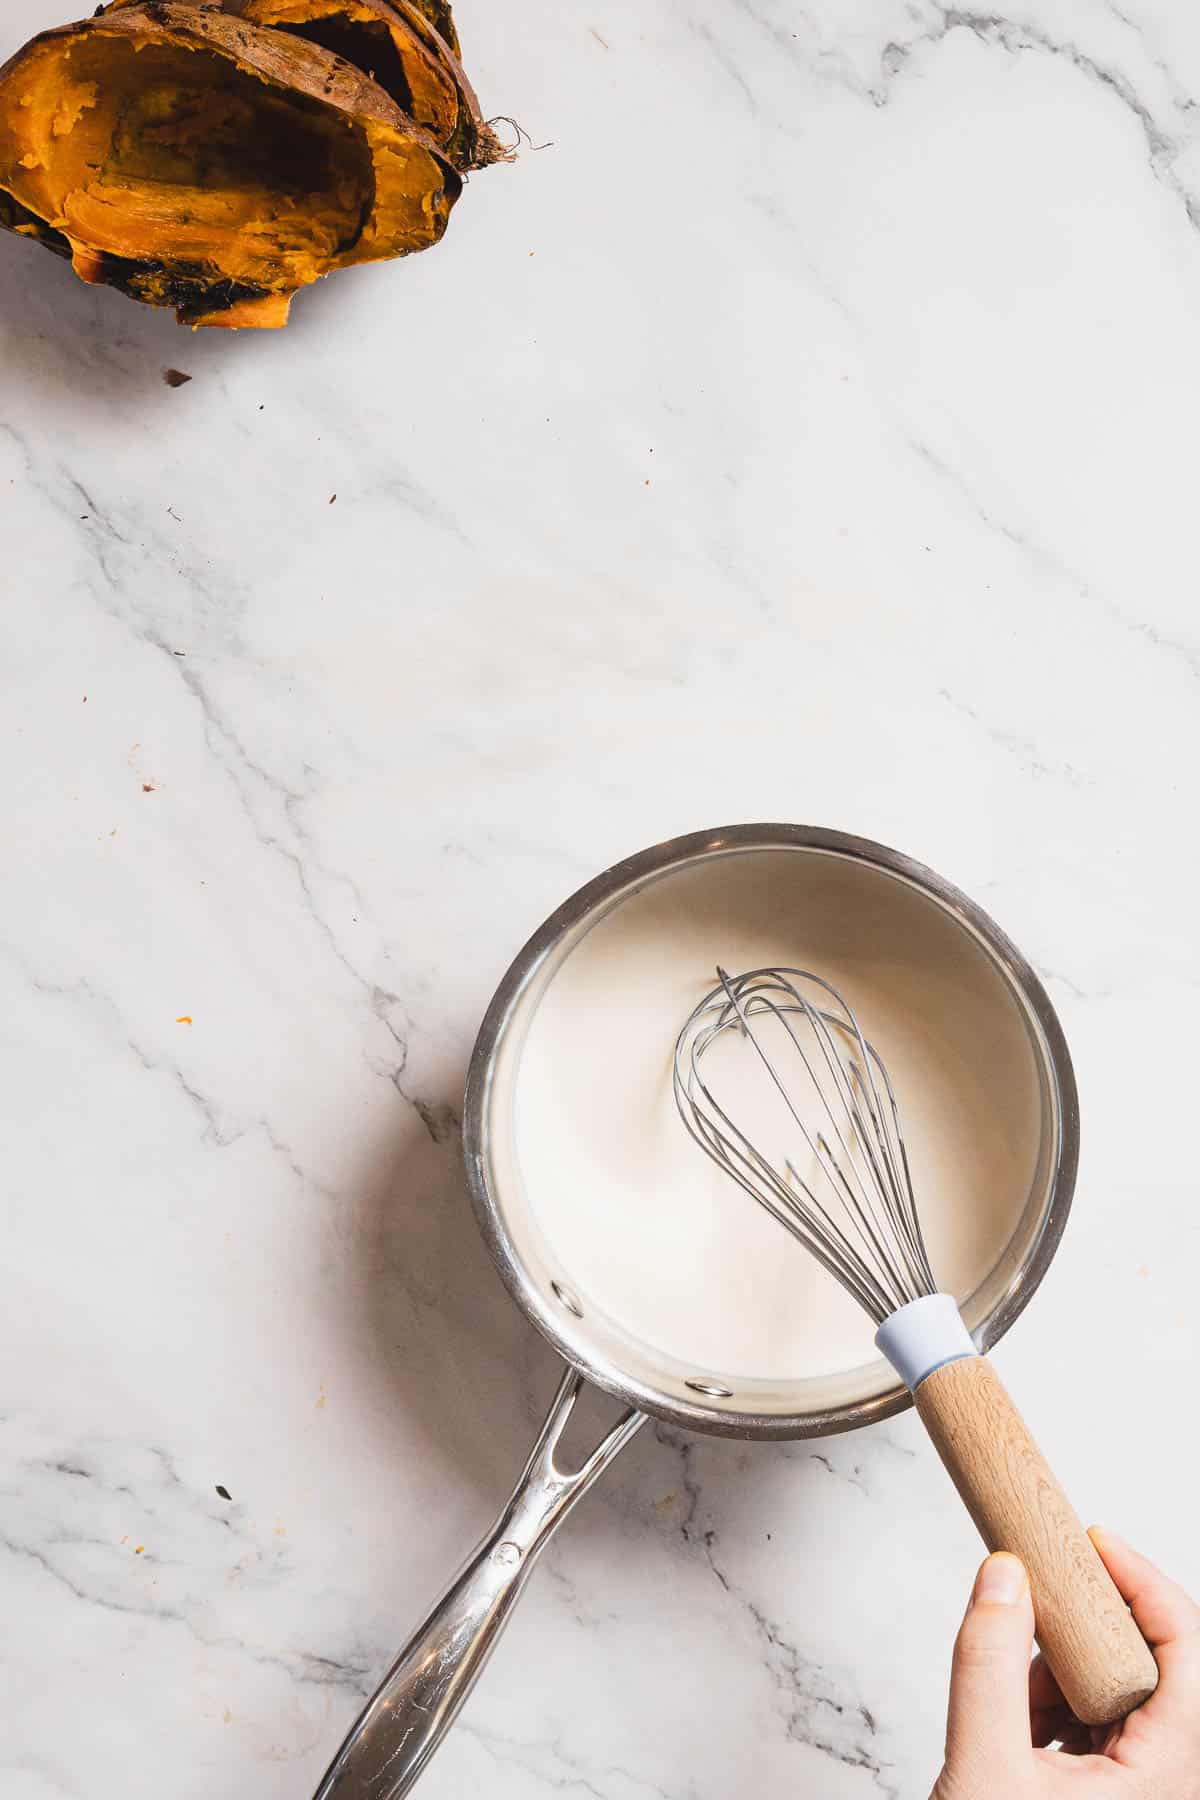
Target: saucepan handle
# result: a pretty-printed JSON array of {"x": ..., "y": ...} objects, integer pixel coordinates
[{"x": 408, "y": 1716}]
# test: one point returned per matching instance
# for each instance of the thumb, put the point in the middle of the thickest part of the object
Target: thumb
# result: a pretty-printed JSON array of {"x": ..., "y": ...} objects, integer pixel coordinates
[{"x": 988, "y": 1734}]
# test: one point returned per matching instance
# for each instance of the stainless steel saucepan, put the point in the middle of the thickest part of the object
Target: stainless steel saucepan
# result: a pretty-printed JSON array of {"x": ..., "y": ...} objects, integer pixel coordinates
[{"x": 404, "y": 1722}]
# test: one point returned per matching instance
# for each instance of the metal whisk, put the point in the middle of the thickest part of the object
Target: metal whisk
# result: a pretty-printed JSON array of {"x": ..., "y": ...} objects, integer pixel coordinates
[
  {"x": 854, "y": 1207},
  {"x": 840, "y": 1183}
]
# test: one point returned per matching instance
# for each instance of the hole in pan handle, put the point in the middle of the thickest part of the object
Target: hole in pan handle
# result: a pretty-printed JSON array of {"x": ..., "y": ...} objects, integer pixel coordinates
[{"x": 418, "y": 1699}]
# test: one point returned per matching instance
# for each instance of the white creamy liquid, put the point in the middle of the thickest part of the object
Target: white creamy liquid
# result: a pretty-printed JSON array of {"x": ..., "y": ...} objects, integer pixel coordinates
[{"x": 651, "y": 1232}]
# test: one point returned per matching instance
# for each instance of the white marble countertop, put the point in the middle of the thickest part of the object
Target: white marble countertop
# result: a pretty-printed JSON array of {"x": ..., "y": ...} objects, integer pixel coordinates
[{"x": 809, "y": 433}]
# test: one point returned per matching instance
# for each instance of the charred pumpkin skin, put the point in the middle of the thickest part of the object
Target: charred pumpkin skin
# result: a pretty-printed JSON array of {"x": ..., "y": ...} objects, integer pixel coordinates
[
  {"x": 17, "y": 218},
  {"x": 479, "y": 141},
  {"x": 371, "y": 35},
  {"x": 442, "y": 19},
  {"x": 399, "y": 50},
  {"x": 200, "y": 160},
  {"x": 408, "y": 48}
]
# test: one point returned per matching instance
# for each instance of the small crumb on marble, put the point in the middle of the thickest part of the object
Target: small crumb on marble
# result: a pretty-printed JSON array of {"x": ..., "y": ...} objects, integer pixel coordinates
[
  {"x": 139, "y": 1549},
  {"x": 175, "y": 378},
  {"x": 221, "y": 1489},
  {"x": 186, "y": 1019},
  {"x": 149, "y": 787}
]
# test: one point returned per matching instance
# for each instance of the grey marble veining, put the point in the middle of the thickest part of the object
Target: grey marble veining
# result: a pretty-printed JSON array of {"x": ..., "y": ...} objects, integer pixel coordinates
[{"x": 807, "y": 431}]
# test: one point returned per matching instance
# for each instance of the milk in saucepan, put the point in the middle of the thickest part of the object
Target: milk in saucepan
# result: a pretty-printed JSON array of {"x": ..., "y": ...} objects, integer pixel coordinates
[{"x": 647, "y": 1229}]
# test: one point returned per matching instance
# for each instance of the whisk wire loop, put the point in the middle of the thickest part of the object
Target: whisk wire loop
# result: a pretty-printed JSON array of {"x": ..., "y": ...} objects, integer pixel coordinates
[{"x": 853, "y": 1207}]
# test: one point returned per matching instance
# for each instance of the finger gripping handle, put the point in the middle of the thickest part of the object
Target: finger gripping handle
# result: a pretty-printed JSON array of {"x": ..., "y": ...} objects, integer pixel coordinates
[{"x": 1087, "y": 1634}]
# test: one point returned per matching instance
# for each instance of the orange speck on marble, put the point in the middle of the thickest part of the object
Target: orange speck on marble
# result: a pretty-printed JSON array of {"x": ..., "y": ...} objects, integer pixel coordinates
[
  {"x": 184, "y": 1019},
  {"x": 139, "y": 1549},
  {"x": 321, "y": 1398}
]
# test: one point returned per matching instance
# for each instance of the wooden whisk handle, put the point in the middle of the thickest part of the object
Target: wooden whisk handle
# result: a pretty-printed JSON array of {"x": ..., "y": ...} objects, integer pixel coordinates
[{"x": 1087, "y": 1634}]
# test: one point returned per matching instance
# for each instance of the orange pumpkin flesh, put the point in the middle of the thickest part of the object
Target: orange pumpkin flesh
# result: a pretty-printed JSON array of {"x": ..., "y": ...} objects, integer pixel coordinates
[{"x": 218, "y": 160}]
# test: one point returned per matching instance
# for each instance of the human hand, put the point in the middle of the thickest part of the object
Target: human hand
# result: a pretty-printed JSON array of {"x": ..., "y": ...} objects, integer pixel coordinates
[{"x": 1004, "y": 1714}]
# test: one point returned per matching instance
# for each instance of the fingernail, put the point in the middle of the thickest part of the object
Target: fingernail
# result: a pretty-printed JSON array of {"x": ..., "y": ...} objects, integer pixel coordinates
[{"x": 1001, "y": 1581}]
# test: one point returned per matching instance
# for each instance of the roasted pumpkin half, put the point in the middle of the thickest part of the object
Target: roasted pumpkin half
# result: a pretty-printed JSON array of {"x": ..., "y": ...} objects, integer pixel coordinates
[{"x": 217, "y": 155}]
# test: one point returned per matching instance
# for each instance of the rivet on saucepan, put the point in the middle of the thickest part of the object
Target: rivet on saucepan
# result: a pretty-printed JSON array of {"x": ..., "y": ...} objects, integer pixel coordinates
[
  {"x": 508, "y": 1555},
  {"x": 566, "y": 1298},
  {"x": 713, "y": 1389}
]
